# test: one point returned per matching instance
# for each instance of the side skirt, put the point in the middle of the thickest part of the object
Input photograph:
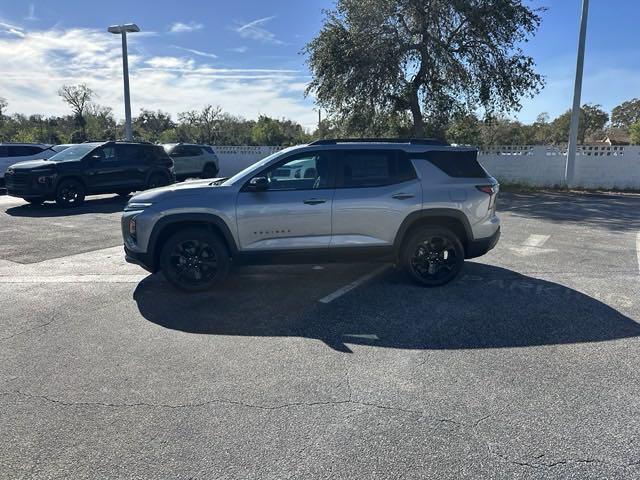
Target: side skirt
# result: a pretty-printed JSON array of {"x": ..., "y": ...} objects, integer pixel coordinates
[{"x": 316, "y": 256}]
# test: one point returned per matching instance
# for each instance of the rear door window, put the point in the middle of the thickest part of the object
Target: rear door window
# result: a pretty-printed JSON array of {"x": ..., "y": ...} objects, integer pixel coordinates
[
  {"x": 192, "y": 151},
  {"x": 374, "y": 168},
  {"x": 136, "y": 154},
  {"x": 107, "y": 154}
]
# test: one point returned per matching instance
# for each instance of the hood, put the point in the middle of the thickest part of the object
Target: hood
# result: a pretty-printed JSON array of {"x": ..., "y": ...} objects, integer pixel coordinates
[
  {"x": 194, "y": 187},
  {"x": 33, "y": 164}
]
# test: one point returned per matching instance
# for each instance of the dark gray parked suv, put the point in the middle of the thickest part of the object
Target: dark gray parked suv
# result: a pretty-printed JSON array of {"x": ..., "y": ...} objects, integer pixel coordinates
[{"x": 420, "y": 203}]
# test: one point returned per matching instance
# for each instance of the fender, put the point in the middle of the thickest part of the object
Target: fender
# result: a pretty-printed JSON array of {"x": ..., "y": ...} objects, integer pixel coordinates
[
  {"x": 208, "y": 218},
  {"x": 414, "y": 217}
]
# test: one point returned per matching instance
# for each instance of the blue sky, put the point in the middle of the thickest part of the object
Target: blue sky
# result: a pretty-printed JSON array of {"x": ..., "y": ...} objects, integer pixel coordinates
[{"x": 244, "y": 55}]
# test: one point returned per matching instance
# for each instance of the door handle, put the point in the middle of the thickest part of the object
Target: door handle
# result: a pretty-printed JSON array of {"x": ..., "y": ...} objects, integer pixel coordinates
[
  {"x": 402, "y": 196},
  {"x": 314, "y": 201}
]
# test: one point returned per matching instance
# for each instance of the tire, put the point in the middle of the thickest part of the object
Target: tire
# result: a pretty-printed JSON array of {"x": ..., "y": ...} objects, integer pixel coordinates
[
  {"x": 195, "y": 260},
  {"x": 35, "y": 201},
  {"x": 70, "y": 193},
  {"x": 209, "y": 171},
  {"x": 423, "y": 256},
  {"x": 157, "y": 180}
]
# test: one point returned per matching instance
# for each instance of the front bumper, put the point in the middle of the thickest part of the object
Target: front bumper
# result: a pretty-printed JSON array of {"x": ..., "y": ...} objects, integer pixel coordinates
[
  {"x": 140, "y": 259},
  {"x": 479, "y": 247},
  {"x": 27, "y": 186}
]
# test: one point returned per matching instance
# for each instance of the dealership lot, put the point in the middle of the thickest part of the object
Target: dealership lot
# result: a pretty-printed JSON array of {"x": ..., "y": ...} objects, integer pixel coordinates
[{"x": 528, "y": 366}]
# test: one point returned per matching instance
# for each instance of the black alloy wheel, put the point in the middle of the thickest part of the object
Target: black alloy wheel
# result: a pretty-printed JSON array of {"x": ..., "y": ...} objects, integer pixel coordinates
[
  {"x": 209, "y": 171},
  {"x": 433, "y": 256},
  {"x": 195, "y": 260},
  {"x": 70, "y": 193},
  {"x": 157, "y": 180}
]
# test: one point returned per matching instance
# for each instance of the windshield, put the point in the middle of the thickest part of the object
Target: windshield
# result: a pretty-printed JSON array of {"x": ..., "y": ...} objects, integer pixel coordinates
[
  {"x": 254, "y": 166},
  {"x": 73, "y": 153}
]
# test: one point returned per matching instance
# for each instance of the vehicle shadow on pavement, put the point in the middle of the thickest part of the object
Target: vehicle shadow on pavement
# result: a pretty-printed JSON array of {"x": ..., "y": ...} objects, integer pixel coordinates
[
  {"x": 487, "y": 307},
  {"x": 51, "y": 209},
  {"x": 613, "y": 212}
]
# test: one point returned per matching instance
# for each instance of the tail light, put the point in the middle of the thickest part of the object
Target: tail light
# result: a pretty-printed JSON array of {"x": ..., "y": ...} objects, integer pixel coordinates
[{"x": 492, "y": 191}]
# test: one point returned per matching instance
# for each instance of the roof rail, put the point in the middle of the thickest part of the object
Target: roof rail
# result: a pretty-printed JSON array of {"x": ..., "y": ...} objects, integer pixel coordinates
[{"x": 411, "y": 141}]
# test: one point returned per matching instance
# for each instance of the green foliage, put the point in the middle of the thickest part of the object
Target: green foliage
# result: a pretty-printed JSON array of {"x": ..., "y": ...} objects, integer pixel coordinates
[
  {"x": 270, "y": 131},
  {"x": 592, "y": 121},
  {"x": 424, "y": 58},
  {"x": 634, "y": 132},
  {"x": 626, "y": 114},
  {"x": 151, "y": 126}
]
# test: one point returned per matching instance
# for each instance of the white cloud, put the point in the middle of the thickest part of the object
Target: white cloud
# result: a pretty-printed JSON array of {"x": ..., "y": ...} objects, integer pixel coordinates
[
  {"x": 37, "y": 63},
  {"x": 196, "y": 52},
  {"x": 242, "y": 49},
  {"x": 180, "y": 27},
  {"x": 8, "y": 29},
  {"x": 256, "y": 31},
  {"x": 170, "y": 63}
]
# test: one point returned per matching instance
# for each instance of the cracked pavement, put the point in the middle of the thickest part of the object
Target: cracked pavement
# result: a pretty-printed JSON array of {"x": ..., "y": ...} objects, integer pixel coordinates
[{"x": 526, "y": 367}]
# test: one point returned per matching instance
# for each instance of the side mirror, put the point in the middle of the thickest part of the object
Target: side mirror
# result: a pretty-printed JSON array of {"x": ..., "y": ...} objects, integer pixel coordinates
[
  {"x": 94, "y": 158},
  {"x": 258, "y": 184}
]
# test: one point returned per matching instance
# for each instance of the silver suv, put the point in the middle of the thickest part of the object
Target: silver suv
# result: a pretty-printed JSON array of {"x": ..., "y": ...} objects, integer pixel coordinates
[{"x": 422, "y": 204}]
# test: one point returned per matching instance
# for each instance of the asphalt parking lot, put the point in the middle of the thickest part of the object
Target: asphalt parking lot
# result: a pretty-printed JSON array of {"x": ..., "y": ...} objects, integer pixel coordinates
[{"x": 527, "y": 366}]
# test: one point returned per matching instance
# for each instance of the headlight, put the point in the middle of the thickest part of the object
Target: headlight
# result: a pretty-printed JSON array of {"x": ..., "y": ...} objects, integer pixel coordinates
[
  {"x": 136, "y": 206},
  {"x": 46, "y": 178}
]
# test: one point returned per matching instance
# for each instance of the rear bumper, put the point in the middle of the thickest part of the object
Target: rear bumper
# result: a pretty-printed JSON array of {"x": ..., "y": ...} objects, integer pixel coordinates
[{"x": 480, "y": 246}]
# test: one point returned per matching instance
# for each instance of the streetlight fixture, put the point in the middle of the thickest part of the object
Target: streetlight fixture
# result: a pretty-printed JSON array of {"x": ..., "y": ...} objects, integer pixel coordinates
[
  {"x": 570, "y": 170},
  {"x": 122, "y": 30}
]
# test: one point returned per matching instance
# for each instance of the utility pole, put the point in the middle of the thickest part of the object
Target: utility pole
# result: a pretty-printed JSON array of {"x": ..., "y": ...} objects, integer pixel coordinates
[
  {"x": 570, "y": 170},
  {"x": 122, "y": 30}
]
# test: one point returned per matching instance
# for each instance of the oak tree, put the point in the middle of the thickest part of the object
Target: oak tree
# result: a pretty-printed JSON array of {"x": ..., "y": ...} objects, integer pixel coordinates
[{"x": 428, "y": 58}]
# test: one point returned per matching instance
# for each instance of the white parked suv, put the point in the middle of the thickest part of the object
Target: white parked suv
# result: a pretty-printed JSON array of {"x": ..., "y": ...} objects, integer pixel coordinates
[
  {"x": 193, "y": 161},
  {"x": 11, "y": 153},
  {"x": 423, "y": 204}
]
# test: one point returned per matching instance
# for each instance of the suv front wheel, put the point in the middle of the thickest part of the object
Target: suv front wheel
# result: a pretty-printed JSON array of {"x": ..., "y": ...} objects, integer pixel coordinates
[
  {"x": 70, "y": 193},
  {"x": 433, "y": 256},
  {"x": 195, "y": 260}
]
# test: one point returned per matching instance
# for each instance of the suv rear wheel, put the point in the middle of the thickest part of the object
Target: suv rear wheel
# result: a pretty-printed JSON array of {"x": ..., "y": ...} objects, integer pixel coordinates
[
  {"x": 433, "y": 256},
  {"x": 195, "y": 260},
  {"x": 157, "y": 180},
  {"x": 70, "y": 193},
  {"x": 209, "y": 171}
]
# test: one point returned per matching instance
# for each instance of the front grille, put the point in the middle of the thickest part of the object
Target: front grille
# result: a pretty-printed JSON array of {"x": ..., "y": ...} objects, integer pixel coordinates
[{"x": 17, "y": 179}]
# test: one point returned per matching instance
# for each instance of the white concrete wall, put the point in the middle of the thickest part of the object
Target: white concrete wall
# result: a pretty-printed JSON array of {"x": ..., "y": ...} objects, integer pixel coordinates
[
  {"x": 596, "y": 167},
  {"x": 234, "y": 159}
]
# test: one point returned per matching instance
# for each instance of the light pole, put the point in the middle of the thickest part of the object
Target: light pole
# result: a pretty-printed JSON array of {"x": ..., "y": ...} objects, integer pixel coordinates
[
  {"x": 122, "y": 30},
  {"x": 570, "y": 170}
]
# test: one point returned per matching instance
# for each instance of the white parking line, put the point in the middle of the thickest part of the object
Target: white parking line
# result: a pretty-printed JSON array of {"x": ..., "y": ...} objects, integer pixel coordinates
[
  {"x": 364, "y": 336},
  {"x": 638, "y": 249},
  {"x": 72, "y": 278},
  {"x": 355, "y": 284},
  {"x": 536, "y": 240},
  {"x": 532, "y": 246}
]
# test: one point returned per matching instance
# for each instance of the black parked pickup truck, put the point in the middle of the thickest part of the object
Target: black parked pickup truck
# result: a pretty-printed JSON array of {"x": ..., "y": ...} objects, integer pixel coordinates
[{"x": 90, "y": 169}]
